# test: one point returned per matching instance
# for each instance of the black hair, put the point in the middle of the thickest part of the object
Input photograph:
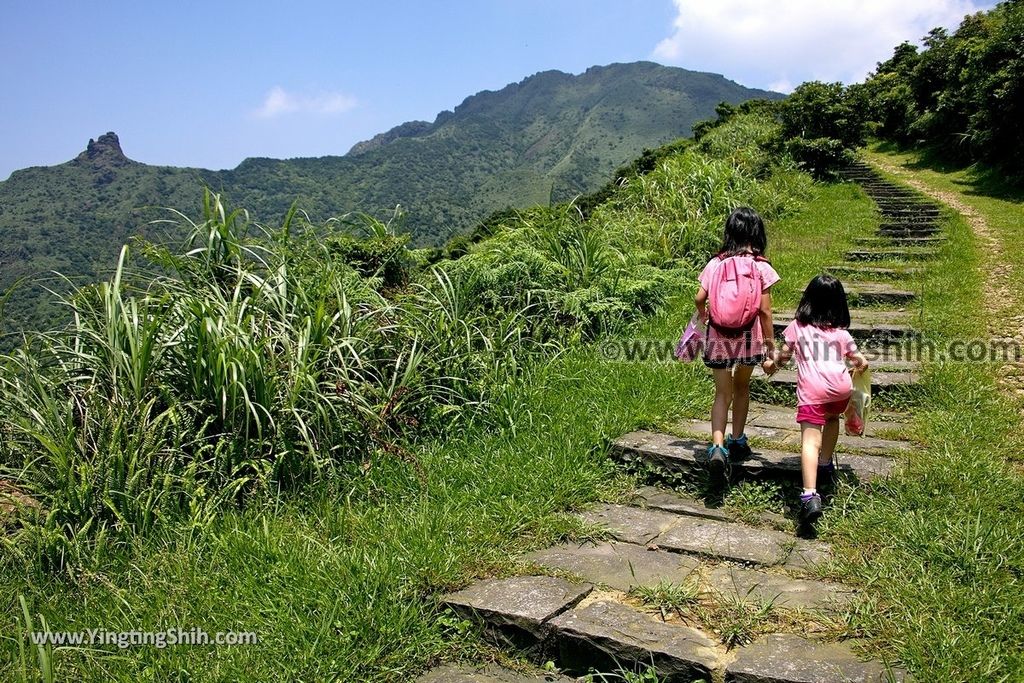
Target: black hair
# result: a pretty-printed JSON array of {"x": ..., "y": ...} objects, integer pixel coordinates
[
  {"x": 824, "y": 304},
  {"x": 744, "y": 232}
]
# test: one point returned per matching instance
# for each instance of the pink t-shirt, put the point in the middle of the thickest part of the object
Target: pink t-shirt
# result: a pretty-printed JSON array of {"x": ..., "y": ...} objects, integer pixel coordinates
[
  {"x": 718, "y": 348},
  {"x": 821, "y": 353}
]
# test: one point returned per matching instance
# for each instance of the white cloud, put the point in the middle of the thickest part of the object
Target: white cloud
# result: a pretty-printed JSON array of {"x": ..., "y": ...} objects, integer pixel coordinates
[
  {"x": 279, "y": 102},
  {"x": 778, "y": 44}
]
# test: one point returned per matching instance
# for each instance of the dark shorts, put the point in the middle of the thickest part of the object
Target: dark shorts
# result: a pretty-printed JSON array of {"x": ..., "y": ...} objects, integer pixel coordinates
[
  {"x": 722, "y": 352},
  {"x": 726, "y": 363}
]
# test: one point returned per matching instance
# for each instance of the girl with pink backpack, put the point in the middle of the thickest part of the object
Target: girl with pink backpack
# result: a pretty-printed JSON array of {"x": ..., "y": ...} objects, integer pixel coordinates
[{"x": 735, "y": 301}]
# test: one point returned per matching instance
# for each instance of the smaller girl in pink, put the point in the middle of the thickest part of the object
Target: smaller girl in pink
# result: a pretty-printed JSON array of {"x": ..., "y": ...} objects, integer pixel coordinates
[{"x": 822, "y": 344}]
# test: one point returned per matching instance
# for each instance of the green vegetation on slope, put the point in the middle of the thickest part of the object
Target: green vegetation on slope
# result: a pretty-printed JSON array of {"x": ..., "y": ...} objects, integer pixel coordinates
[{"x": 963, "y": 94}]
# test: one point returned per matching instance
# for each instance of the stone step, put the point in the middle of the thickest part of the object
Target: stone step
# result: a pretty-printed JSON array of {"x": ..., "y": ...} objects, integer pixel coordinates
[
  {"x": 896, "y": 197},
  {"x": 618, "y": 565},
  {"x": 844, "y": 270},
  {"x": 903, "y": 207},
  {"x": 885, "y": 433},
  {"x": 867, "y": 325},
  {"x": 904, "y": 254},
  {"x": 704, "y": 537},
  {"x": 599, "y": 633},
  {"x": 605, "y": 635},
  {"x": 462, "y": 673},
  {"x": 515, "y": 611},
  {"x": 888, "y": 194},
  {"x": 680, "y": 504},
  {"x": 900, "y": 239},
  {"x": 554, "y": 619},
  {"x": 880, "y": 380},
  {"x": 769, "y": 415},
  {"x": 874, "y": 182},
  {"x": 786, "y": 431},
  {"x": 902, "y": 220},
  {"x": 908, "y": 230},
  {"x": 874, "y": 293},
  {"x": 787, "y": 658},
  {"x": 866, "y": 316},
  {"x": 625, "y": 566},
  {"x": 888, "y": 197},
  {"x": 780, "y": 589},
  {"x": 688, "y": 457}
]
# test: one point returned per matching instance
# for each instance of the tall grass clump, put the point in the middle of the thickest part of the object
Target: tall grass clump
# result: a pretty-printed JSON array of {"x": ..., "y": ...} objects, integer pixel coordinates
[{"x": 244, "y": 362}]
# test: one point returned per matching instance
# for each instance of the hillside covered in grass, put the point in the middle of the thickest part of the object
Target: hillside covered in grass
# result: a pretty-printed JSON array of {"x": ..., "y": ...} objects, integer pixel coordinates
[{"x": 543, "y": 140}]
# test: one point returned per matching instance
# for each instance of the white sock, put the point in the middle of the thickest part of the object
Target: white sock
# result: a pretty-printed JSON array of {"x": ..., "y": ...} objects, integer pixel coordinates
[{"x": 809, "y": 492}]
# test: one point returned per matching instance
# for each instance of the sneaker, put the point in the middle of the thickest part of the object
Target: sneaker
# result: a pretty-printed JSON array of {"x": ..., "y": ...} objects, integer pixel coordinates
[
  {"x": 717, "y": 459},
  {"x": 739, "y": 449},
  {"x": 810, "y": 508}
]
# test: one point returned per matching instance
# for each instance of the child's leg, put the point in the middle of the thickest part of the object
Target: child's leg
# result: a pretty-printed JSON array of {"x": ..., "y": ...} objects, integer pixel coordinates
[
  {"x": 720, "y": 410},
  {"x": 740, "y": 399},
  {"x": 829, "y": 437},
  {"x": 810, "y": 438}
]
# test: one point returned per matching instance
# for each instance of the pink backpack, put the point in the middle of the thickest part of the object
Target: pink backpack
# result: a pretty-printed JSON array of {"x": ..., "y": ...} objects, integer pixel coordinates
[{"x": 734, "y": 297}]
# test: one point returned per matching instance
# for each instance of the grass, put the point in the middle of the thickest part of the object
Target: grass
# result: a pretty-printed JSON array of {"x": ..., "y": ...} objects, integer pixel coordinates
[
  {"x": 669, "y": 596},
  {"x": 801, "y": 245},
  {"x": 338, "y": 582},
  {"x": 942, "y": 544}
]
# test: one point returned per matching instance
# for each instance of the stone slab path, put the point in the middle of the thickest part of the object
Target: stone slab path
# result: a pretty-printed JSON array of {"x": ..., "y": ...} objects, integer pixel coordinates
[{"x": 663, "y": 573}]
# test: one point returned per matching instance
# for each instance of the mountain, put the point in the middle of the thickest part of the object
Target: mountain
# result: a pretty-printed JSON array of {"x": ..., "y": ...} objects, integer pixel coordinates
[{"x": 547, "y": 138}]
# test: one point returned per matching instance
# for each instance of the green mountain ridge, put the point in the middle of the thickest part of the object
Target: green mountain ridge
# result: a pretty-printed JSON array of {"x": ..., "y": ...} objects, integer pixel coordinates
[{"x": 546, "y": 138}]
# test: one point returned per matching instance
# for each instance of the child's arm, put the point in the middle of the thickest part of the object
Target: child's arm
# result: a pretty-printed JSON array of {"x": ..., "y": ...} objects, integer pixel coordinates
[
  {"x": 776, "y": 360},
  {"x": 767, "y": 325},
  {"x": 701, "y": 302},
  {"x": 860, "y": 363}
]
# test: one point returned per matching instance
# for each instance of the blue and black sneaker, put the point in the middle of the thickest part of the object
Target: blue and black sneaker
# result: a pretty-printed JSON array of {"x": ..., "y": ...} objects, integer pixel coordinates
[
  {"x": 717, "y": 460},
  {"x": 739, "y": 449}
]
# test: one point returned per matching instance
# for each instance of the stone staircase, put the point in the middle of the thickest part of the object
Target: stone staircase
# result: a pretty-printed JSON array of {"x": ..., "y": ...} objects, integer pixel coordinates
[{"x": 670, "y": 576}]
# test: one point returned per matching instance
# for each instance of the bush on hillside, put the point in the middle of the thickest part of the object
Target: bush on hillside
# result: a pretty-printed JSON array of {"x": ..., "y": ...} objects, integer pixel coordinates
[{"x": 820, "y": 122}]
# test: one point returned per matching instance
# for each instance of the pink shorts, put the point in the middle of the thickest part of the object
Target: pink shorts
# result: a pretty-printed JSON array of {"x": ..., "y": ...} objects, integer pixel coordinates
[{"x": 819, "y": 413}]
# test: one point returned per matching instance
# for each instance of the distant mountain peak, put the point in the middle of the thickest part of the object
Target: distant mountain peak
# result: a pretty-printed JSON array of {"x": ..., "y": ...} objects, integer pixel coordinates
[
  {"x": 409, "y": 129},
  {"x": 103, "y": 151}
]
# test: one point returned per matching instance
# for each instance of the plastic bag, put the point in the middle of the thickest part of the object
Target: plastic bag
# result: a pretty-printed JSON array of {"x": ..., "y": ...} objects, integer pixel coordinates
[
  {"x": 860, "y": 400},
  {"x": 691, "y": 343}
]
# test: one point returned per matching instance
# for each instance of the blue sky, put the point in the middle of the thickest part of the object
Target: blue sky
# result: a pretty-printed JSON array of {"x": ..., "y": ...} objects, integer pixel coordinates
[{"x": 208, "y": 84}]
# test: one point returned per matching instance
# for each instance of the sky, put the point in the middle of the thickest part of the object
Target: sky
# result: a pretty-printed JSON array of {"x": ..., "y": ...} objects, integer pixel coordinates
[{"x": 210, "y": 83}]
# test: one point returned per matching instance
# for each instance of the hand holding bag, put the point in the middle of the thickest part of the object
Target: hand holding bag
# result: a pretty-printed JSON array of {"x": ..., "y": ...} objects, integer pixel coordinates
[{"x": 860, "y": 400}]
